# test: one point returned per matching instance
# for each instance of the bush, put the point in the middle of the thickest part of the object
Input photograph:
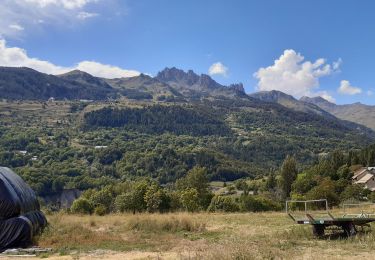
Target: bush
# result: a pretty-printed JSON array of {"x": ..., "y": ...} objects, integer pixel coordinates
[
  {"x": 372, "y": 196},
  {"x": 100, "y": 210},
  {"x": 325, "y": 190},
  {"x": 82, "y": 206},
  {"x": 354, "y": 192},
  {"x": 256, "y": 204},
  {"x": 103, "y": 198},
  {"x": 125, "y": 202},
  {"x": 166, "y": 223},
  {"x": 155, "y": 199},
  {"x": 197, "y": 180},
  {"x": 189, "y": 200},
  {"x": 223, "y": 203}
]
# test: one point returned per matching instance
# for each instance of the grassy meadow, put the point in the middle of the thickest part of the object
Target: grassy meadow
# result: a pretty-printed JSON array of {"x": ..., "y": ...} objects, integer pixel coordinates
[{"x": 194, "y": 236}]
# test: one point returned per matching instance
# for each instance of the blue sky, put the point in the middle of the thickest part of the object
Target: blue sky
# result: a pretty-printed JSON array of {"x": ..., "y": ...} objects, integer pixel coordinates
[{"x": 323, "y": 47}]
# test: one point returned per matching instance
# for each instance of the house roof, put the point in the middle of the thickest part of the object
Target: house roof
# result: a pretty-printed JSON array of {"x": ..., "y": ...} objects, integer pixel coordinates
[
  {"x": 359, "y": 172},
  {"x": 365, "y": 178}
]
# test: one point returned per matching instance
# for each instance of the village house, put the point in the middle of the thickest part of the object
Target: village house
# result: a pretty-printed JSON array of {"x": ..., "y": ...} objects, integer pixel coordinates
[
  {"x": 100, "y": 146},
  {"x": 366, "y": 177}
]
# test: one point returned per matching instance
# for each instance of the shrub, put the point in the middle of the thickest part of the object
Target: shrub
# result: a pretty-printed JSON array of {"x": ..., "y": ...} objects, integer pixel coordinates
[
  {"x": 82, "y": 206},
  {"x": 223, "y": 203},
  {"x": 125, "y": 202},
  {"x": 325, "y": 190},
  {"x": 197, "y": 179},
  {"x": 256, "y": 204},
  {"x": 354, "y": 192},
  {"x": 189, "y": 199},
  {"x": 154, "y": 198},
  {"x": 372, "y": 196},
  {"x": 166, "y": 223},
  {"x": 104, "y": 198},
  {"x": 100, "y": 210}
]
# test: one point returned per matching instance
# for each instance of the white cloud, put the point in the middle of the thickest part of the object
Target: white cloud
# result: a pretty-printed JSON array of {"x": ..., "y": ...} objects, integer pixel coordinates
[
  {"x": 325, "y": 95},
  {"x": 294, "y": 75},
  {"x": 336, "y": 64},
  {"x": 17, "y": 57},
  {"x": 35, "y": 14},
  {"x": 370, "y": 93},
  {"x": 16, "y": 27},
  {"x": 86, "y": 15},
  {"x": 67, "y": 4},
  {"x": 347, "y": 89},
  {"x": 105, "y": 71},
  {"x": 218, "y": 69}
]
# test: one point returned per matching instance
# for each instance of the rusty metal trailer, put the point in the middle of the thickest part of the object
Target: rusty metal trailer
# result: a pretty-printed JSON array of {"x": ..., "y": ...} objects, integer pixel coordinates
[{"x": 347, "y": 222}]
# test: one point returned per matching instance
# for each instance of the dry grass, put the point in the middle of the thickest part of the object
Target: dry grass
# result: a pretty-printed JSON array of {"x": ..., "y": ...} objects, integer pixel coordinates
[
  {"x": 125, "y": 232},
  {"x": 196, "y": 236},
  {"x": 165, "y": 223}
]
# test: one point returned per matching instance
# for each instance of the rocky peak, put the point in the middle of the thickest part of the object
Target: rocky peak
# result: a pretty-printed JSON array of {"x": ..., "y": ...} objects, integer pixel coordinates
[
  {"x": 188, "y": 78},
  {"x": 319, "y": 101},
  {"x": 191, "y": 80},
  {"x": 272, "y": 96},
  {"x": 76, "y": 73},
  {"x": 237, "y": 87},
  {"x": 208, "y": 82},
  {"x": 174, "y": 74}
]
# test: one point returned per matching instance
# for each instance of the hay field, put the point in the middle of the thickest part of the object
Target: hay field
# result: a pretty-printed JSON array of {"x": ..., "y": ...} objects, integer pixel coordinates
[{"x": 195, "y": 236}]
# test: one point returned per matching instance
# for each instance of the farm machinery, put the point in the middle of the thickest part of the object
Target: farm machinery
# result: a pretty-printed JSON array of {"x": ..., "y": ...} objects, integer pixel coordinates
[{"x": 316, "y": 213}]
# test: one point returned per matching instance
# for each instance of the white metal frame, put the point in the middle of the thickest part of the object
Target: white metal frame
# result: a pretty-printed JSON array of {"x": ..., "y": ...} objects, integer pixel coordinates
[
  {"x": 305, "y": 202},
  {"x": 359, "y": 215}
]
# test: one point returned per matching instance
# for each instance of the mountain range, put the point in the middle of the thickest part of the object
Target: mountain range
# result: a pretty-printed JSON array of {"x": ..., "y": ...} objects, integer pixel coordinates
[
  {"x": 357, "y": 112},
  {"x": 170, "y": 84},
  {"x": 212, "y": 122},
  {"x": 28, "y": 84}
]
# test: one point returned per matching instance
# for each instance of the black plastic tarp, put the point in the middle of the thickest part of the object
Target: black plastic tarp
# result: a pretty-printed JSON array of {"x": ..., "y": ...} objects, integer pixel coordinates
[
  {"x": 20, "y": 215},
  {"x": 16, "y": 197}
]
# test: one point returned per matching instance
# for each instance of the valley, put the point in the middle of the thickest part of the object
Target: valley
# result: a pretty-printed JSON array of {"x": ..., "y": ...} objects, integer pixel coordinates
[{"x": 180, "y": 143}]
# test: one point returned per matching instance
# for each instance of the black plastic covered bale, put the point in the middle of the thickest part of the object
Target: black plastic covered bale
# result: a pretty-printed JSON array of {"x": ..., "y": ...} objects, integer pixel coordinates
[
  {"x": 20, "y": 215},
  {"x": 37, "y": 219},
  {"x": 16, "y": 197},
  {"x": 15, "y": 233}
]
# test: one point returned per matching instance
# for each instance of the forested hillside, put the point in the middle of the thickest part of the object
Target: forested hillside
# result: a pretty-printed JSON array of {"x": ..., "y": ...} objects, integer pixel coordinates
[
  {"x": 195, "y": 121},
  {"x": 158, "y": 128},
  {"x": 232, "y": 139}
]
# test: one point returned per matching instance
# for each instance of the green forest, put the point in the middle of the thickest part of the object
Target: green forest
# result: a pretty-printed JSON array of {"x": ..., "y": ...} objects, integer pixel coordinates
[{"x": 170, "y": 154}]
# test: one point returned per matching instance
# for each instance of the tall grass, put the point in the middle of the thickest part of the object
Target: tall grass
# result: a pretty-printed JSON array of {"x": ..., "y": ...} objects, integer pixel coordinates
[
  {"x": 121, "y": 232},
  {"x": 199, "y": 236},
  {"x": 165, "y": 223}
]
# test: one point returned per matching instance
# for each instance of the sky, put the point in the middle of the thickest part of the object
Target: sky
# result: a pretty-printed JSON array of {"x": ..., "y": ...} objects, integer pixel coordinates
[{"x": 303, "y": 48}]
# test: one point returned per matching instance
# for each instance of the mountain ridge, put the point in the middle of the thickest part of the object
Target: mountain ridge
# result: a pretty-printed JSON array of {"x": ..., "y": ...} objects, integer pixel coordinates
[
  {"x": 189, "y": 83},
  {"x": 169, "y": 85},
  {"x": 356, "y": 112},
  {"x": 289, "y": 101},
  {"x": 29, "y": 84}
]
